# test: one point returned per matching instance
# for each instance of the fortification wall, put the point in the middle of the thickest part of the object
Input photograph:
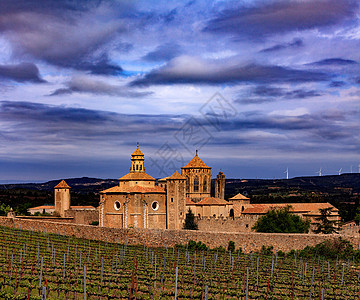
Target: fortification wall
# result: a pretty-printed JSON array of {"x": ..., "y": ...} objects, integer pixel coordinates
[
  {"x": 85, "y": 217},
  {"x": 228, "y": 224},
  {"x": 167, "y": 238}
]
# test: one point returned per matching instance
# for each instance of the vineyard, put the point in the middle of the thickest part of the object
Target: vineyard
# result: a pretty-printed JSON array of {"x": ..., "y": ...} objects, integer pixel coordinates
[{"x": 37, "y": 265}]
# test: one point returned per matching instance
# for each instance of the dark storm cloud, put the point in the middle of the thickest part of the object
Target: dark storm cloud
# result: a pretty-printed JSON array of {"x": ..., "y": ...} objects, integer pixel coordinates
[
  {"x": 185, "y": 70},
  {"x": 256, "y": 22},
  {"x": 38, "y": 121},
  {"x": 266, "y": 93},
  {"x": 63, "y": 33},
  {"x": 297, "y": 43},
  {"x": 337, "y": 83},
  {"x": 53, "y": 6},
  {"x": 334, "y": 62},
  {"x": 23, "y": 72},
  {"x": 86, "y": 84},
  {"x": 163, "y": 52}
]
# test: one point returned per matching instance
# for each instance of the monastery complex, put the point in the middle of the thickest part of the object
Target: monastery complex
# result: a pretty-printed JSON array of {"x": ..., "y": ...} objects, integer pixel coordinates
[{"x": 141, "y": 201}]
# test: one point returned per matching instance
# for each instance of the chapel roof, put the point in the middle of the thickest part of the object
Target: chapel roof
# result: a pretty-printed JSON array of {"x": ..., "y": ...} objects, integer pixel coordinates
[
  {"x": 134, "y": 189},
  {"x": 132, "y": 176},
  {"x": 62, "y": 185},
  {"x": 137, "y": 151},
  {"x": 176, "y": 176},
  {"x": 196, "y": 162},
  {"x": 212, "y": 201},
  {"x": 239, "y": 197}
]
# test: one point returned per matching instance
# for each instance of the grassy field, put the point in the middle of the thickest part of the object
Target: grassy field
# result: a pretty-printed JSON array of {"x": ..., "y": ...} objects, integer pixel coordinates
[{"x": 34, "y": 264}]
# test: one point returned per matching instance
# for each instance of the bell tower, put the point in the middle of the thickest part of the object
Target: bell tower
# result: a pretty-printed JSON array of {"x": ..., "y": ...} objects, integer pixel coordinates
[
  {"x": 137, "y": 161},
  {"x": 62, "y": 198}
]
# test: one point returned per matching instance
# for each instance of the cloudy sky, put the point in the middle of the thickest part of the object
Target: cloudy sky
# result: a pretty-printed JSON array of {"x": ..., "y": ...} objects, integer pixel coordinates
[{"x": 255, "y": 86}]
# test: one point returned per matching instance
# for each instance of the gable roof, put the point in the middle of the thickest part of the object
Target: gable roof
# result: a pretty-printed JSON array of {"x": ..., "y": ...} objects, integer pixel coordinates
[
  {"x": 295, "y": 207},
  {"x": 176, "y": 176},
  {"x": 189, "y": 202},
  {"x": 239, "y": 197},
  {"x": 134, "y": 189},
  {"x": 212, "y": 201},
  {"x": 62, "y": 185},
  {"x": 196, "y": 162},
  {"x": 43, "y": 207},
  {"x": 136, "y": 176}
]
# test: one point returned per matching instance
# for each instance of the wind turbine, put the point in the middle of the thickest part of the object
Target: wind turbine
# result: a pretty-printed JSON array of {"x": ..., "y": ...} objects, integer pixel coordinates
[
  {"x": 319, "y": 172},
  {"x": 340, "y": 171},
  {"x": 287, "y": 172}
]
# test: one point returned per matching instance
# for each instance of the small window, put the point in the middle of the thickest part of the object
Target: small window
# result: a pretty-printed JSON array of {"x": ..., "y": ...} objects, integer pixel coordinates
[
  {"x": 155, "y": 205},
  {"x": 247, "y": 225},
  {"x": 172, "y": 199},
  {"x": 140, "y": 167},
  {"x": 117, "y": 205},
  {"x": 137, "y": 167}
]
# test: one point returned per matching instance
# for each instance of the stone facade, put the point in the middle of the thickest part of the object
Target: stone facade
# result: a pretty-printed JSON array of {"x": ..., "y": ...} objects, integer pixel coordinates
[
  {"x": 248, "y": 241},
  {"x": 139, "y": 202},
  {"x": 220, "y": 186},
  {"x": 62, "y": 198},
  {"x": 198, "y": 179}
]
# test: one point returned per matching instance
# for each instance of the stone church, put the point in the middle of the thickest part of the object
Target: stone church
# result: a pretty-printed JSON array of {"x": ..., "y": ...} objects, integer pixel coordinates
[{"x": 140, "y": 201}]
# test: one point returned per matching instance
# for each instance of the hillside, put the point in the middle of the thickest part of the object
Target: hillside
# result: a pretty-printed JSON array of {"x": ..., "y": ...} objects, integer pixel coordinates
[{"x": 341, "y": 190}]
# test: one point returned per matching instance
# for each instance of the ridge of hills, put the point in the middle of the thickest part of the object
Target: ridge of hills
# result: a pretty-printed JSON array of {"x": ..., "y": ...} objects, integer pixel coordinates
[{"x": 348, "y": 182}]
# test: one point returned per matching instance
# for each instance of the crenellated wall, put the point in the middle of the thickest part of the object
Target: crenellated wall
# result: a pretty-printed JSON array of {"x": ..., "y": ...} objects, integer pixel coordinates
[{"x": 248, "y": 241}]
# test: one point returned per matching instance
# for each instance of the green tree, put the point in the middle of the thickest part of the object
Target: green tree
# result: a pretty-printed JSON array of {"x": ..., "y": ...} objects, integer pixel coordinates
[
  {"x": 4, "y": 209},
  {"x": 190, "y": 221},
  {"x": 325, "y": 225},
  {"x": 281, "y": 220}
]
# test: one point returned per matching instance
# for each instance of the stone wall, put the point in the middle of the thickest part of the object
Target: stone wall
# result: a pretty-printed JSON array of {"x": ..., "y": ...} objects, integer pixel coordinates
[
  {"x": 240, "y": 224},
  {"x": 85, "y": 217},
  {"x": 167, "y": 238}
]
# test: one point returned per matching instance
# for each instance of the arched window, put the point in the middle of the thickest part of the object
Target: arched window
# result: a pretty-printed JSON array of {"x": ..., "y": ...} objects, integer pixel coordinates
[
  {"x": 187, "y": 184},
  {"x": 137, "y": 167},
  {"x": 196, "y": 184},
  {"x": 140, "y": 167},
  {"x": 205, "y": 185}
]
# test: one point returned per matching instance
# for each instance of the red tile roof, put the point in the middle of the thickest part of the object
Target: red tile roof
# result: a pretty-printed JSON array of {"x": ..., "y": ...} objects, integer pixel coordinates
[
  {"x": 239, "y": 197},
  {"x": 196, "y": 162},
  {"x": 189, "y": 202},
  {"x": 134, "y": 189},
  {"x": 295, "y": 207},
  {"x": 133, "y": 176},
  {"x": 137, "y": 152},
  {"x": 82, "y": 207},
  {"x": 43, "y": 207},
  {"x": 62, "y": 185},
  {"x": 177, "y": 176},
  {"x": 212, "y": 201}
]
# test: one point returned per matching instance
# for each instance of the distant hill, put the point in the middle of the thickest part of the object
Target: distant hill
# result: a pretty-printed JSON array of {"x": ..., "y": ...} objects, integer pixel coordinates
[
  {"x": 82, "y": 185},
  {"x": 345, "y": 183}
]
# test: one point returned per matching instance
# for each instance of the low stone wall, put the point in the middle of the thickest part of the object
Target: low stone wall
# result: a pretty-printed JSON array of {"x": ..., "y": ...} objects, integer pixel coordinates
[
  {"x": 47, "y": 219},
  {"x": 167, "y": 238},
  {"x": 228, "y": 224},
  {"x": 85, "y": 217}
]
